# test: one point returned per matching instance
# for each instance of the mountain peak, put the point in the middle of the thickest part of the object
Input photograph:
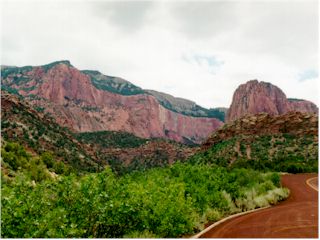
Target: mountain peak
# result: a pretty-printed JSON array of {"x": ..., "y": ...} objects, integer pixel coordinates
[
  {"x": 53, "y": 64},
  {"x": 253, "y": 81},
  {"x": 255, "y": 97},
  {"x": 66, "y": 62}
]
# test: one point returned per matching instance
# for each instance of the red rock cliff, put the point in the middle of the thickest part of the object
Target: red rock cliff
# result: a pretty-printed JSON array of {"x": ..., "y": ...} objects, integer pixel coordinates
[
  {"x": 69, "y": 96},
  {"x": 257, "y": 97}
]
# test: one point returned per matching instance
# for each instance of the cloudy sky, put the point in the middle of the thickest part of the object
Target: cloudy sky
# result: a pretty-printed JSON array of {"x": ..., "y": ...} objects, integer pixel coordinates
[{"x": 199, "y": 50}]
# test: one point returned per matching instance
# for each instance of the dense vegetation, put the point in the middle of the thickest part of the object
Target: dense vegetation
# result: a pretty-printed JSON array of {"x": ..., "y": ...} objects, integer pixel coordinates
[
  {"x": 13, "y": 71},
  {"x": 22, "y": 124},
  {"x": 281, "y": 153},
  {"x": 10, "y": 90},
  {"x": 216, "y": 113},
  {"x": 108, "y": 139},
  {"x": 39, "y": 201},
  {"x": 124, "y": 152},
  {"x": 16, "y": 161}
]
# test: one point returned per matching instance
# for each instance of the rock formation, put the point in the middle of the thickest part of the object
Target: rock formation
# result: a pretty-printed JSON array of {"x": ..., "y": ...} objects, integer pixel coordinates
[
  {"x": 256, "y": 97},
  {"x": 295, "y": 123},
  {"x": 70, "y": 97}
]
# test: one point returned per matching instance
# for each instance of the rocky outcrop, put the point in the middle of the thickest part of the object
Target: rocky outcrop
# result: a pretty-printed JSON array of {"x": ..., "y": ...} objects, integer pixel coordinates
[
  {"x": 175, "y": 104},
  {"x": 295, "y": 123},
  {"x": 256, "y": 97},
  {"x": 69, "y": 96},
  {"x": 39, "y": 133},
  {"x": 151, "y": 151},
  {"x": 302, "y": 105},
  {"x": 186, "y": 107}
]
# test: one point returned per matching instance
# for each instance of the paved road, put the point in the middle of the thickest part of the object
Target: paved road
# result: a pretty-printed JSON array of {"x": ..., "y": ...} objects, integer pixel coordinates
[{"x": 297, "y": 217}]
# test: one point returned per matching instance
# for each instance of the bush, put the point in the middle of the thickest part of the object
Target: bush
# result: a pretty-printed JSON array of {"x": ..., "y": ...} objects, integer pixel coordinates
[
  {"x": 162, "y": 202},
  {"x": 47, "y": 158},
  {"x": 212, "y": 215},
  {"x": 14, "y": 155},
  {"x": 137, "y": 234},
  {"x": 281, "y": 153}
]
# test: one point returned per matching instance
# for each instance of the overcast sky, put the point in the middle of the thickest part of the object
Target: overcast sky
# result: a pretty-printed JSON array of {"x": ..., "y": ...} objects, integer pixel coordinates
[{"x": 199, "y": 50}]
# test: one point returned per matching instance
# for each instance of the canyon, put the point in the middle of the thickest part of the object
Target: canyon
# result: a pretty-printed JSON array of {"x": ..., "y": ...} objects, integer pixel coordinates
[{"x": 89, "y": 101}]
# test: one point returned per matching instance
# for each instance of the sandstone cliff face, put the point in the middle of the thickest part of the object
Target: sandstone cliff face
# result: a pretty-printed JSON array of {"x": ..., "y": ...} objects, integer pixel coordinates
[
  {"x": 19, "y": 120},
  {"x": 303, "y": 106},
  {"x": 70, "y": 97},
  {"x": 185, "y": 106},
  {"x": 255, "y": 97}
]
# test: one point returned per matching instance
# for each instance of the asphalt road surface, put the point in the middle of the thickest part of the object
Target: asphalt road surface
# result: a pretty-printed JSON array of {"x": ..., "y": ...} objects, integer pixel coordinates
[{"x": 296, "y": 217}]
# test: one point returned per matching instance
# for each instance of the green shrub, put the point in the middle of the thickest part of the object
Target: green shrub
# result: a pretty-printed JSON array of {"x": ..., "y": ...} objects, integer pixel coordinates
[
  {"x": 212, "y": 215},
  {"x": 47, "y": 158},
  {"x": 14, "y": 155},
  {"x": 37, "y": 170},
  {"x": 137, "y": 234},
  {"x": 164, "y": 202}
]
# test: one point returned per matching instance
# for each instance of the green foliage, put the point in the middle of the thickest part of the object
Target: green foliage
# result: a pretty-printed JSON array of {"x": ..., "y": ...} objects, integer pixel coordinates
[
  {"x": 216, "y": 113},
  {"x": 47, "y": 67},
  {"x": 36, "y": 170},
  {"x": 39, "y": 109},
  {"x": 281, "y": 153},
  {"x": 16, "y": 159},
  {"x": 195, "y": 111},
  {"x": 12, "y": 71},
  {"x": 47, "y": 158},
  {"x": 10, "y": 90},
  {"x": 161, "y": 202},
  {"x": 113, "y": 84},
  {"x": 44, "y": 134},
  {"x": 137, "y": 234},
  {"x": 110, "y": 139},
  {"x": 14, "y": 156}
]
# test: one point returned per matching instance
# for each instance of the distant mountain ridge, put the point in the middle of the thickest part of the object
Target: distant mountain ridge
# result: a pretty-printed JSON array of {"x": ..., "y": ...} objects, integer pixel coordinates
[
  {"x": 176, "y": 104},
  {"x": 87, "y": 101}
]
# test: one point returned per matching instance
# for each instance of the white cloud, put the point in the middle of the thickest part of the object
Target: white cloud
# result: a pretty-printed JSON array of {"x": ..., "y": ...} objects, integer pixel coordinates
[{"x": 197, "y": 50}]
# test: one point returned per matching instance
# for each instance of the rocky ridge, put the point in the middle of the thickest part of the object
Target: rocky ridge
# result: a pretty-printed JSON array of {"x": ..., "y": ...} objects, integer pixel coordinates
[
  {"x": 294, "y": 123},
  {"x": 39, "y": 133},
  {"x": 71, "y": 98},
  {"x": 282, "y": 143}
]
